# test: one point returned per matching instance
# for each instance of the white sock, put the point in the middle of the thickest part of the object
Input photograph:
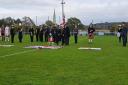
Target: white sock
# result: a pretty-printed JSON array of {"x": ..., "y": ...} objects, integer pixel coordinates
[
  {"x": 8, "y": 39},
  {"x": 91, "y": 40}
]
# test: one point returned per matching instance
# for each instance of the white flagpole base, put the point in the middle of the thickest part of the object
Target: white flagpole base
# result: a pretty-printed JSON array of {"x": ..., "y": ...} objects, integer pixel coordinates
[
  {"x": 82, "y": 48},
  {"x": 6, "y": 45}
]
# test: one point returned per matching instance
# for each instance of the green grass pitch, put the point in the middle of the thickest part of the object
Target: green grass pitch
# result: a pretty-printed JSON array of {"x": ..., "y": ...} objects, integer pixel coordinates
[{"x": 66, "y": 66}]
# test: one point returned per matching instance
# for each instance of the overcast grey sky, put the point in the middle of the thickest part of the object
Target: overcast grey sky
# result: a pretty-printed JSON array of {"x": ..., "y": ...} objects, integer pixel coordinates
[{"x": 86, "y": 10}]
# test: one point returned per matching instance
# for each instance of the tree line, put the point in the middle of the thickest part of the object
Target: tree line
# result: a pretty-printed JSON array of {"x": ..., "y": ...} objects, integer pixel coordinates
[{"x": 27, "y": 22}]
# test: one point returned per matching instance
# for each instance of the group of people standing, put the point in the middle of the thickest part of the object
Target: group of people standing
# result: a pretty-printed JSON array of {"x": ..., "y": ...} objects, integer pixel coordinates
[
  {"x": 55, "y": 34},
  {"x": 4, "y": 33},
  {"x": 52, "y": 34}
]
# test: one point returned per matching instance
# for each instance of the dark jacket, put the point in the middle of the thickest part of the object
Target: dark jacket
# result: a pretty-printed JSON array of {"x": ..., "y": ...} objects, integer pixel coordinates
[{"x": 124, "y": 31}]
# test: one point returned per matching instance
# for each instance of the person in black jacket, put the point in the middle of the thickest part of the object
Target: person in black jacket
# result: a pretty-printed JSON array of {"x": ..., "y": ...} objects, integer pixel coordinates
[
  {"x": 57, "y": 33},
  {"x": 75, "y": 32},
  {"x": 124, "y": 34},
  {"x": 37, "y": 34},
  {"x": 46, "y": 33},
  {"x": 20, "y": 35},
  {"x": 31, "y": 33},
  {"x": 3, "y": 33},
  {"x": 66, "y": 35},
  {"x": 41, "y": 34},
  {"x": 62, "y": 36},
  {"x": 119, "y": 33},
  {"x": 12, "y": 32}
]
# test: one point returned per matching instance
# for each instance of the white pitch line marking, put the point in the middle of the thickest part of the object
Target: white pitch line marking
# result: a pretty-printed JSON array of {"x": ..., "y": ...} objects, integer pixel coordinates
[{"x": 16, "y": 53}]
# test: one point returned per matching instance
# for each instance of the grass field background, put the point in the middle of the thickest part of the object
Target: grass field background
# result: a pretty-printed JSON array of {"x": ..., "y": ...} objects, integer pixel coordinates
[{"x": 66, "y": 66}]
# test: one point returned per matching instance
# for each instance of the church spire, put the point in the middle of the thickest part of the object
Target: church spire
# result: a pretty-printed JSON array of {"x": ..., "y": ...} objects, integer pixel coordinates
[{"x": 54, "y": 17}]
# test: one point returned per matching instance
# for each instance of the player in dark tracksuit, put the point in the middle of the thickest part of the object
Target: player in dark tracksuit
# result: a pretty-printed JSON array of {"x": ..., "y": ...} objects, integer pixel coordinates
[
  {"x": 124, "y": 35},
  {"x": 31, "y": 32},
  {"x": 12, "y": 32},
  {"x": 41, "y": 34},
  {"x": 46, "y": 33},
  {"x": 37, "y": 34},
  {"x": 119, "y": 31},
  {"x": 75, "y": 32},
  {"x": 3, "y": 33},
  {"x": 57, "y": 34},
  {"x": 62, "y": 37},
  {"x": 66, "y": 35},
  {"x": 20, "y": 35}
]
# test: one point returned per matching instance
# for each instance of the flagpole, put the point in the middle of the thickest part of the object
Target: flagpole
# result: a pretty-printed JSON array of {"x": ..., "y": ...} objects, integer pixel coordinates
[
  {"x": 48, "y": 18},
  {"x": 59, "y": 20},
  {"x": 36, "y": 20},
  {"x": 63, "y": 14}
]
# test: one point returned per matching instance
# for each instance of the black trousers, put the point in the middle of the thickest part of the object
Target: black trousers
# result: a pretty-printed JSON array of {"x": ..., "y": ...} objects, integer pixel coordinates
[
  {"x": 76, "y": 39},
  {"x": 57, "y": 40},
  {"x": 20, "y": 39},
  {"x": 31, "y": 37},
  {"x": 66, "y": 40},
  {"x": 63, "y": 40},
  {"x": 120, "y": 39},
  {"x": 37, "y": 37},
  {"x": 41, "y": 38},
  {"x": 12, "y": 38},
  {"x": 124, "y": 38},
  {"x": 46, "y": 38}
]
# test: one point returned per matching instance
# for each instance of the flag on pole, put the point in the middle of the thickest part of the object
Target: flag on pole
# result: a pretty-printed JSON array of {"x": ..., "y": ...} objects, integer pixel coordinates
[{"x": 63, "y": 22}]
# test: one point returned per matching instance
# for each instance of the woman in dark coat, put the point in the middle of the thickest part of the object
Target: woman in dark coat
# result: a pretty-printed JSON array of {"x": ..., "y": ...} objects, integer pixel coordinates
[
  {"x": 20, "y": 35},
  {"x": 41, "y": 34}
]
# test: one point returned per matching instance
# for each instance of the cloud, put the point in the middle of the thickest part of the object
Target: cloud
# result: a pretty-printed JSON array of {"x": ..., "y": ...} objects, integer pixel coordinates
[{"x": 86, "y": 10}]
